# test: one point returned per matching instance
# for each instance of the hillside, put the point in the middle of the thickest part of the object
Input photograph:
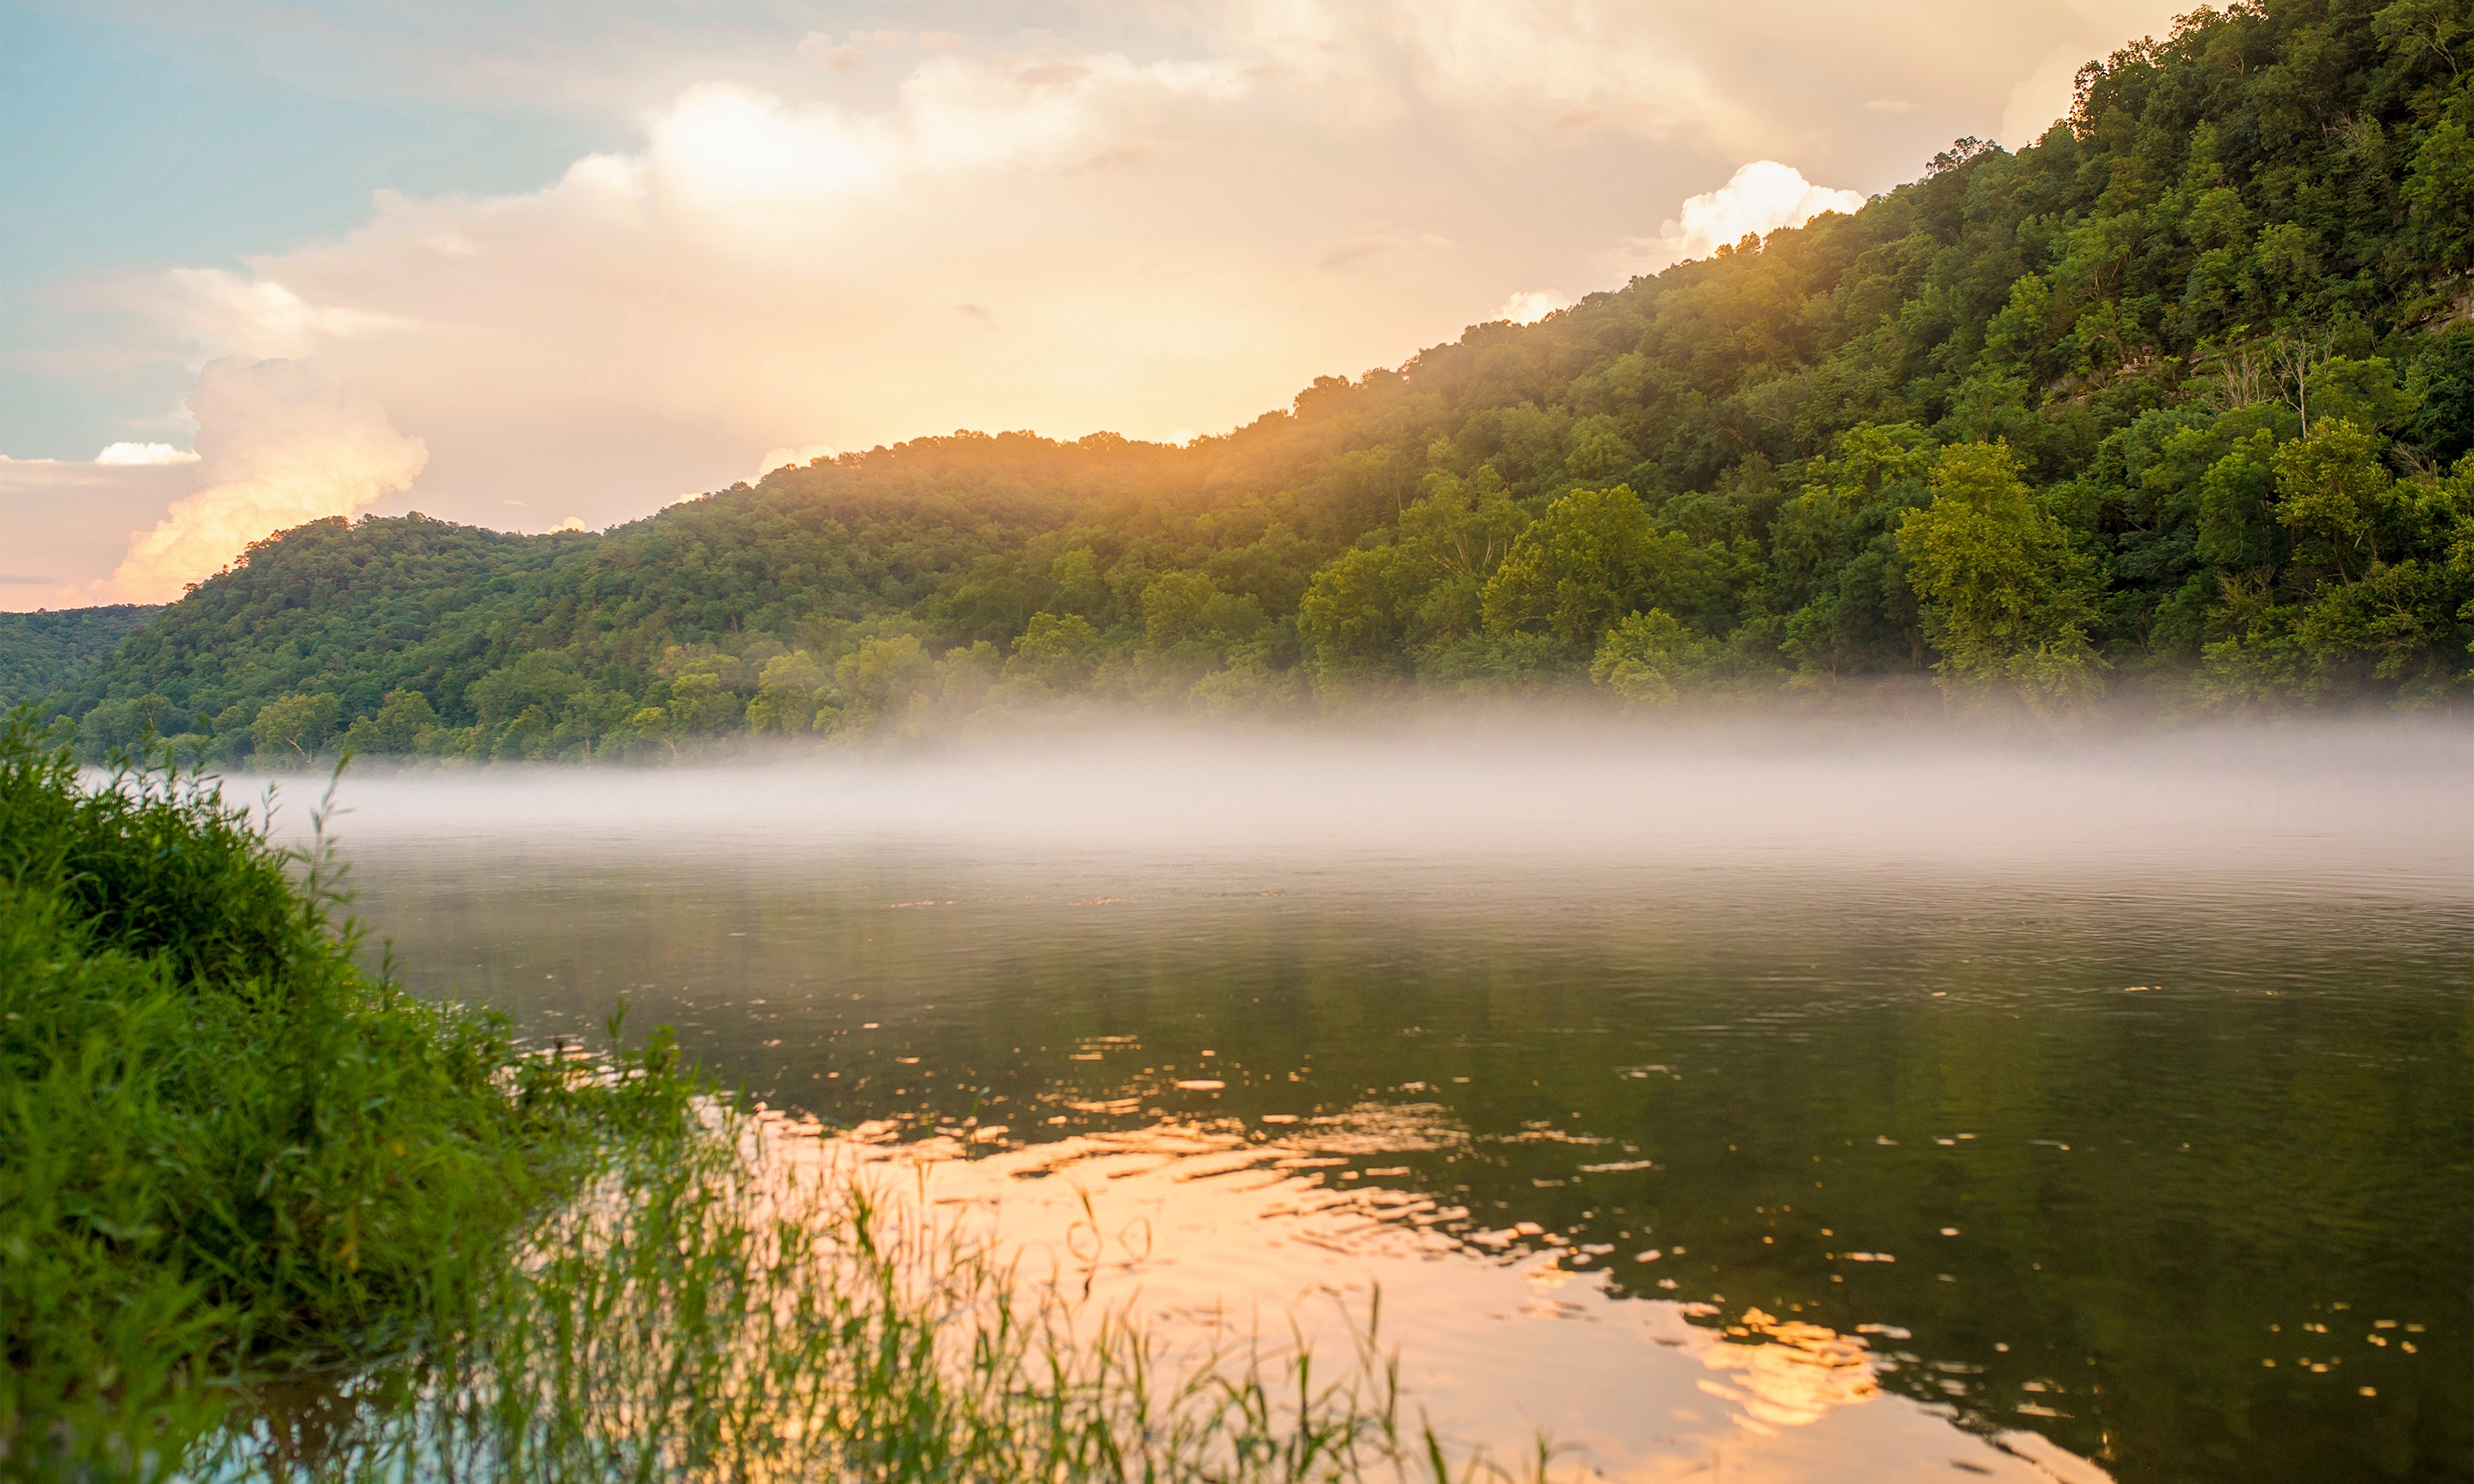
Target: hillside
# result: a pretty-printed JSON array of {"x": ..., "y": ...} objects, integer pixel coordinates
[
  {"x": 2176, "y": 403},
  {"x": 42, "y": 652}
]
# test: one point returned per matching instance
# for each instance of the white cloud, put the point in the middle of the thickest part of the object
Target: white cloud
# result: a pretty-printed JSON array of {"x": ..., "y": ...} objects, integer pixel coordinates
[
  {"x": 1534, "y": 305},
  {"x": 144, "y": 453},
  {"x": 1758, "y": 199},
  {"x": 281, "y": 442},
  {"x": 785, "y": 458},
  {"x": 768, "y": 274}
]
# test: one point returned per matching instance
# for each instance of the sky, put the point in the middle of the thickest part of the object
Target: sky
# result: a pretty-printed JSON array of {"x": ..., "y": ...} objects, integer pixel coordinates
[{"x": 532, "y": 266}]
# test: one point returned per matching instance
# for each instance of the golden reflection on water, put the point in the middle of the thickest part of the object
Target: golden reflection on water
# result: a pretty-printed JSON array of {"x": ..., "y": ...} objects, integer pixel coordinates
[{"x": 1221, "y": 1232}]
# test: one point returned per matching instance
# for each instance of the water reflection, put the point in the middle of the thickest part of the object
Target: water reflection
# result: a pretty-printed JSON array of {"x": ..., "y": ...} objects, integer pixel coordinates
[
  {"x": 1222, "y": 1232},
  {"x": 2069, "y": 1091}
]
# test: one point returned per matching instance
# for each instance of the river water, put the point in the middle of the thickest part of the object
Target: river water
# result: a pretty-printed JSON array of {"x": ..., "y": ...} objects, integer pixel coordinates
[{"x": 1755, "y": 1107}]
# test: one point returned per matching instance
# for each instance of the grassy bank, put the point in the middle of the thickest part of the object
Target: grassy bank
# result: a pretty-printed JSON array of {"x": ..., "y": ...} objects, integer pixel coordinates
[
  {"x": 224, "y": 1150},
  {"x": 263, "y": 1217}
]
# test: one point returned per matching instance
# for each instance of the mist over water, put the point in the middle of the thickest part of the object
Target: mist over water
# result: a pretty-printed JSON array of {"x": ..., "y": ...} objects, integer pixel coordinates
[
  {"x": 2378, "y": 802},
  {"x": 1806, "y": 1106}
]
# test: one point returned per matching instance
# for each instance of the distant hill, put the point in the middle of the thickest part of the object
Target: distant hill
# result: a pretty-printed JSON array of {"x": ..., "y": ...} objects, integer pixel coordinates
[
  {"x": 2177, "y": 402},
  {"x": 42, "y": 652}
]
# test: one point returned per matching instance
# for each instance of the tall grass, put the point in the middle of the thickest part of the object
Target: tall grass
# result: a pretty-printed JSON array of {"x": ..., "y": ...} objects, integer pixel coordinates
[
  {"x": 263, "y": 1217},
  {"x": 719, "y": 1308},
  {"x": 224, "y": 1150}
]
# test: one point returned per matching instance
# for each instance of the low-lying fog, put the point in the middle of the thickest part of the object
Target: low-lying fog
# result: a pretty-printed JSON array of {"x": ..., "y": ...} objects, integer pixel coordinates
[
  {"x": 2043, "y": 1080},
  {"x": 2388, "y": 802}
]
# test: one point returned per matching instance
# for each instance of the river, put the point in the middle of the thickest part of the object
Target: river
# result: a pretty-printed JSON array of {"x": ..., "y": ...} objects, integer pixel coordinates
[{"x": 1748, "y": 1105}]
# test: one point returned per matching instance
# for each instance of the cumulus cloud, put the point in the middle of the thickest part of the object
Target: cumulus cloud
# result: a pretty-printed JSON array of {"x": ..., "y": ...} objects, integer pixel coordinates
[
  {"x": 1534, "y": 305},
  {"x": 1180, "y": 213},
  {"x": 1758, "y": 199},
  {"x": 785, "y": 458},
  {"x": 281, "y": 442},
  {"x": 126, "y": 454}
]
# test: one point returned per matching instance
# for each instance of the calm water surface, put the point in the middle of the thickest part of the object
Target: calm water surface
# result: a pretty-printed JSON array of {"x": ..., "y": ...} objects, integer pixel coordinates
[{"x": 1757, "y": 1111}]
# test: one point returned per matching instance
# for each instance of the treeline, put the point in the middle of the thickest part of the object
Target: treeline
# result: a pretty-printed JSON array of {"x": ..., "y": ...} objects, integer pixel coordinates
[{"x": 2176, "y": 403}]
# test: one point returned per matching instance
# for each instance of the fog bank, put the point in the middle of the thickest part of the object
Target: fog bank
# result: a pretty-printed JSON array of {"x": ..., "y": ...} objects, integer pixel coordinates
[{"x": 2385, "y": 803}]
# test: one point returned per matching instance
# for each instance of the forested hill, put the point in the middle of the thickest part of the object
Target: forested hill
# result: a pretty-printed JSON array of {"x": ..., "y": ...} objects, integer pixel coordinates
[
  {"x": 2178, "y": 402},
  {"x": 43, "y": 651}
]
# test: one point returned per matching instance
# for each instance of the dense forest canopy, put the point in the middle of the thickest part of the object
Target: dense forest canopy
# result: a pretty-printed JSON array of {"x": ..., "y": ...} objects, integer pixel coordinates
[
  {"x": 2177, "y": 402},
  {"x": 43, "y": 651}
]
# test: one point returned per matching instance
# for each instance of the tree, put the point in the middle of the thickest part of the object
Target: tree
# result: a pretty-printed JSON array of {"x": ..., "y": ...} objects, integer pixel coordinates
[
  {"x": 1593, "y": 557},
  {"x": 298, "y": 722},
  {"x": 1173, "y": 606},
  {"x": 1056, "y": 652},
  {"x": 2008, "y": 599},
  {"x": 788, "y": 694},
  {"x": 880, "y": 675},
  {"x": 1647, "y": 660},
  {"x": 1350, "y": 613},
  {"x": 396, "y": 727},
  {"x": 2332, "y": 489}
]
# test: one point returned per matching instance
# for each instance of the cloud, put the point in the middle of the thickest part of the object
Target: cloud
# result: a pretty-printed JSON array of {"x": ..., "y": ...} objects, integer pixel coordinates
[
  {"x": 1534, "y": 305},
  {"x": 1758, "y": 199},
  {"x": 1181, "y": 212},
  {"x": 71, "y": 519},
  {"x": 1521, "y": 66},
  {"x": 785, "y": 458},
  {"x": 1891, "y": 106},
  {"x": 144, "y": 453},
  {"x": 281, "y": 442},
  {"x": 2042, "y": 97}
]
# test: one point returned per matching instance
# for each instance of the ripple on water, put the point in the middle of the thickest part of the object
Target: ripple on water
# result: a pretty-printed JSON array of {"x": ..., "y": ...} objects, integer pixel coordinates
[{"x": 1219, "y": 1232}]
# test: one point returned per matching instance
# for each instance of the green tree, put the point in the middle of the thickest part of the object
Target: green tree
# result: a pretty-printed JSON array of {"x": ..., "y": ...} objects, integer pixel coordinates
[
  {"x": 396, "y": 727},
  {"x": 788, "y": 694},
  {"x": 700, "y": 706},
  {"x": 1589, "y": 559},
  {"x": 2007, "y": 600},
  {"x": 1173, "y": 607},
  {"x": 1648, "y": 659},
  {"x": 1055, "y": 653},
  {"x": 2332, "y": 489},
  {"x": 2237, "y": 530},
  {"x": 297, "y": 722},
  {"x": 880, "y": 675},
  {"x": 1351, "y": 613}
]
